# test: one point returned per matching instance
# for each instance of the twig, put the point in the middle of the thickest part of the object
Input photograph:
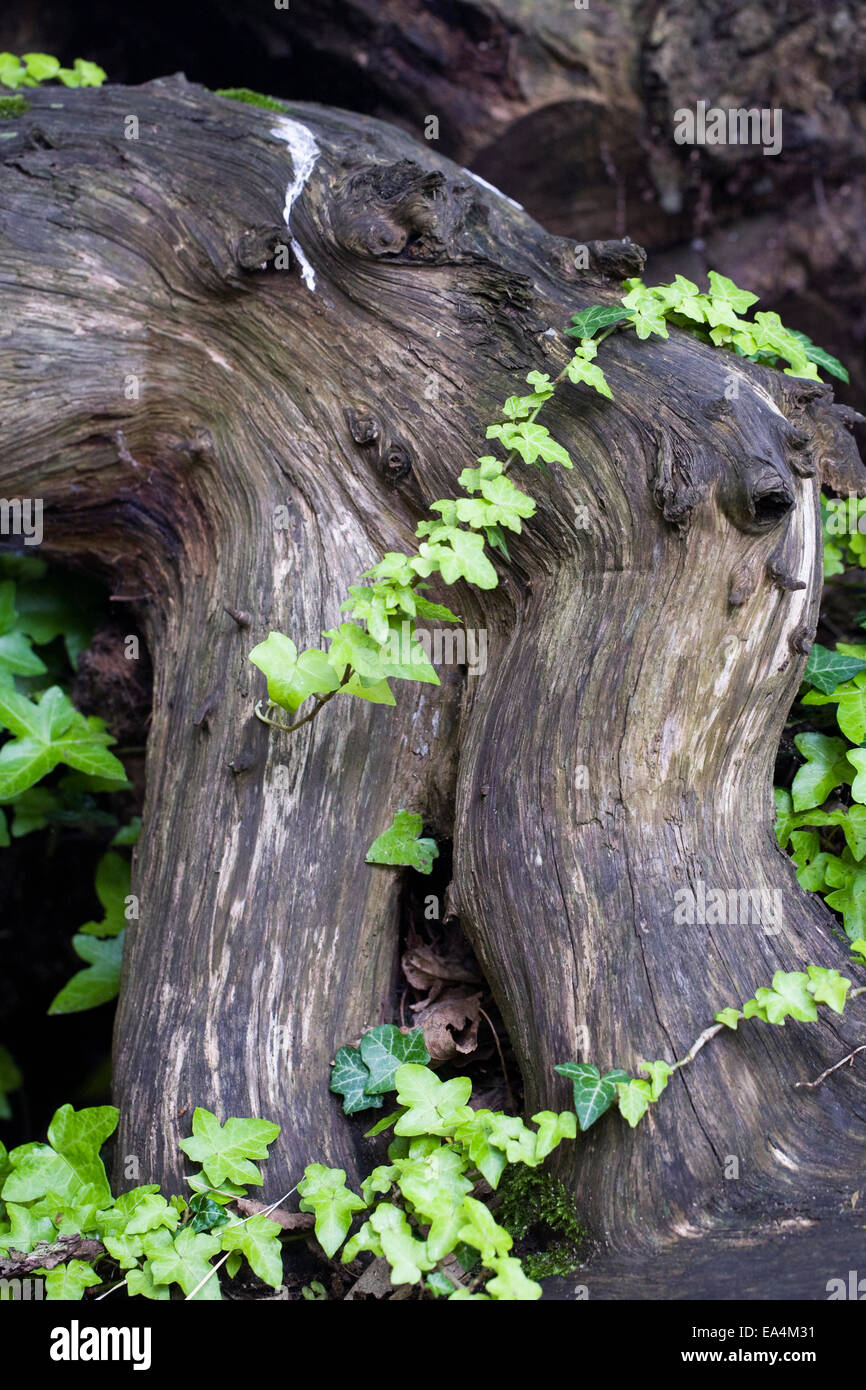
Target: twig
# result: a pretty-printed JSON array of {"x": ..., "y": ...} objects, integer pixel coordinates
[
  {"x": 508, "y": 1092},
  {"x": 824, "y": 1074}
]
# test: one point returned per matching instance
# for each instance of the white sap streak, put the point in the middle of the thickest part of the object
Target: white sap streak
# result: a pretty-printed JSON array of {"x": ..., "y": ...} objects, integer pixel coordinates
[
  {"x": 305, "y": 153},
  {"x": 493, "y": 189}
]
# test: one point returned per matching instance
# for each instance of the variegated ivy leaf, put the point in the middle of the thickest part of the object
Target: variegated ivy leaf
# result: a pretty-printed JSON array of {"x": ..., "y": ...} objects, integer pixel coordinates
[
  {"x": 349, "y": 1077},
  {"x": 385, "y": 1048},
  {"x": 826, "y": 669},
  {"x": 593, "y": 1093},
  {"x": 589, "y": 321}
]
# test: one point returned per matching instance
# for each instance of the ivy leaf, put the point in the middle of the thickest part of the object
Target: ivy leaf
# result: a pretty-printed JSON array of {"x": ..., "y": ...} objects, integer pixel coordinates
[
  {"x": 402, "y": 844},
  {"x": 66, "y": 1283},
  {"x": 206, "y": 1213},
  {"x": 482, "y": 1232},
  {"x": 99, "y": 982},
  {"x": 789, "y": 996},
  {"x": 407, "y": 1256},
  {"x": 324, "y": 1192},
  {"x": 112, "y": 890},
  {"x": 185, "y": 1261},
  {"x": 724, "y": 291},
  {"x": 659, "y": 1074},
  {"x": 511, "y": 1283},
  {"x": 826, "y": 767},
  {"x": 730, "y": 1017},
  {"x": 593, "y": 1093},
  {"x": 291, "y": 677},
  {"x": 225, "y": 1151},
  {"x": 552, "y": 1128},
  {"x": 647, "y": 314},
  {"x": 349, "y": 1078},
  {"x": 139, "y": 1284},
  {"x": 385, "y": 1048},
  {"x": 578, "y": 369},
  {"x": 826, "y": 669},
  {"x": 821, "y": 357},
  {"x": 258, "y": 1239},
  {"x": 10, "y": 1080},
  {"x": 488, "y": 468},
  {"x": 136, "y": 1212},
  {"x": 503, "y": 504},
  {"x": 433, "y": 1106},
  {"x": 26, "y": 1229},
  {"x": 588, "y": 322},
  {"x": 432, "y": 1180},
  {"x": 40, "y": 66},
  {"x": 858, "y": 947},
  {"x": 457, "y": 555},
  {"x": 69, "y": 1166},
  {"x": 475, "y": 1133},
  {"x": 828, "y": 987},
  {"x": 531, "y": 441},
  {"x": 635, "y": 1098},
  {"x": 48, "y": 731}
]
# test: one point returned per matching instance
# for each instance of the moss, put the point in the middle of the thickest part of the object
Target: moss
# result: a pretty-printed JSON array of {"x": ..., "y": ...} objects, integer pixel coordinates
[
  {"x": 13, "y": 106},
  {"x": 251, "y": 98},
  {"x": 537, "y": 1211}
]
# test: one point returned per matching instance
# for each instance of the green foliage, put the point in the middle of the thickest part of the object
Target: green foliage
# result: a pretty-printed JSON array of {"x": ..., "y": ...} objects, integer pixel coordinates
[
  {"x": 32, "y": 69},
  {"x": 61, "y": 1187},
  {"x": 362, "y": 1074},
  {"x": 13, "y": 106},
  {"x": 402, "y": 844},
  {"x": 10, "y": 1080},
  {"x": 593, "y": 1093},
  {"x": 421, "y": 1207},
  {"x": 100, "y": 944},
  {"x": 46, "y": 731}
]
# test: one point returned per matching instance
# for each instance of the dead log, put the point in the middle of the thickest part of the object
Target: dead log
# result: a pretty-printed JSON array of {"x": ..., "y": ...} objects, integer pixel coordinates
[{"x": 217, "y": 434}]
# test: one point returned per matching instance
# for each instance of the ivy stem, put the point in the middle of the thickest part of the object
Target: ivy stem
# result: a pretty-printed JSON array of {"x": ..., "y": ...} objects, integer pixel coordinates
[{"x": 321, "y": 701}]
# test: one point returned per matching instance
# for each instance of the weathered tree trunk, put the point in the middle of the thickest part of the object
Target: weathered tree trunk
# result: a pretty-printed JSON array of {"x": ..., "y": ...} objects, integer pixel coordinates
[{"x": 287, "y": 431}]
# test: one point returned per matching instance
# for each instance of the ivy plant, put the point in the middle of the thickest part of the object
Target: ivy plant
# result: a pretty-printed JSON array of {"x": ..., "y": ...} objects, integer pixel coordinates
[{"x": 378, "y": 643}]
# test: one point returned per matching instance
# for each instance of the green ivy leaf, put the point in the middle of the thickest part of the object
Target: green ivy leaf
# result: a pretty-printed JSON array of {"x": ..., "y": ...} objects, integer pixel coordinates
[
  {"x": 456, "y": 555},
  {"x": 580, "y": 370},
  {"x": 826, "y": 767},
  {"x": 635, "y": 1098},
  {"x": 385, "y": 1048},
  {"x": 482, "y": 1232},
  {"x": 99, "y": 982},
  {"x": 66, "y": 1283},
  {"x": 26, "y": 1229},
  {"x": 349, "y": 1078},
  {"x": 593, "y": 1093},
  {"x": 531, "y": 441},
  {"x": 828, "y": 987},
  {"x": 69, "y": 1166},
  {"x": 826, "y": 669},
  {"x": 324, "y": 1192},
  {"x": 510, "y": 1282},
  {"x": 552, "y": 1128},
  {"x": 258, "y": 1240},
  {"x": 291, "y": 677},
  {"x": 730, "y": 1017},
  {"x": 789, "y": 996},
  {"x": 821, "y": 357},
  {"x": 139, "y": 1284},
  {"x": 588, "y": 322},
  {"x": 432, "y": 1106},
  {"x": 48, "y": 731},
  {"x": 402, "y": 844},
  {"x": 184, "y": 1261},
  {"x": 225, "y": 1151},
  {"x": 659, "y": 1074}
]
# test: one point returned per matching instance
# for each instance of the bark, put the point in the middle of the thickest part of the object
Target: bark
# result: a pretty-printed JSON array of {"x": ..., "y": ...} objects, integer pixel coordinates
[{"x": 651, "y": 628}]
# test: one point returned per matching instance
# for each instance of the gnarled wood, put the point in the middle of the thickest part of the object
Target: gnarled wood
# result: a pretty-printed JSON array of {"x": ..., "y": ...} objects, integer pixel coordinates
[{"x": 650, "y": 629}]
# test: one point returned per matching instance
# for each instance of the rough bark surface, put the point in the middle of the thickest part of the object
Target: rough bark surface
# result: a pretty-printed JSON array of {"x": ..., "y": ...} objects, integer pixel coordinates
[{"x": 283, "y": 437}]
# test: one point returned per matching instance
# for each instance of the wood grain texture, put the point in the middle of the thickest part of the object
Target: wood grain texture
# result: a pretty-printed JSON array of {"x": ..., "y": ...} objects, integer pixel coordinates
[{"x": 264, "y": 941}]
